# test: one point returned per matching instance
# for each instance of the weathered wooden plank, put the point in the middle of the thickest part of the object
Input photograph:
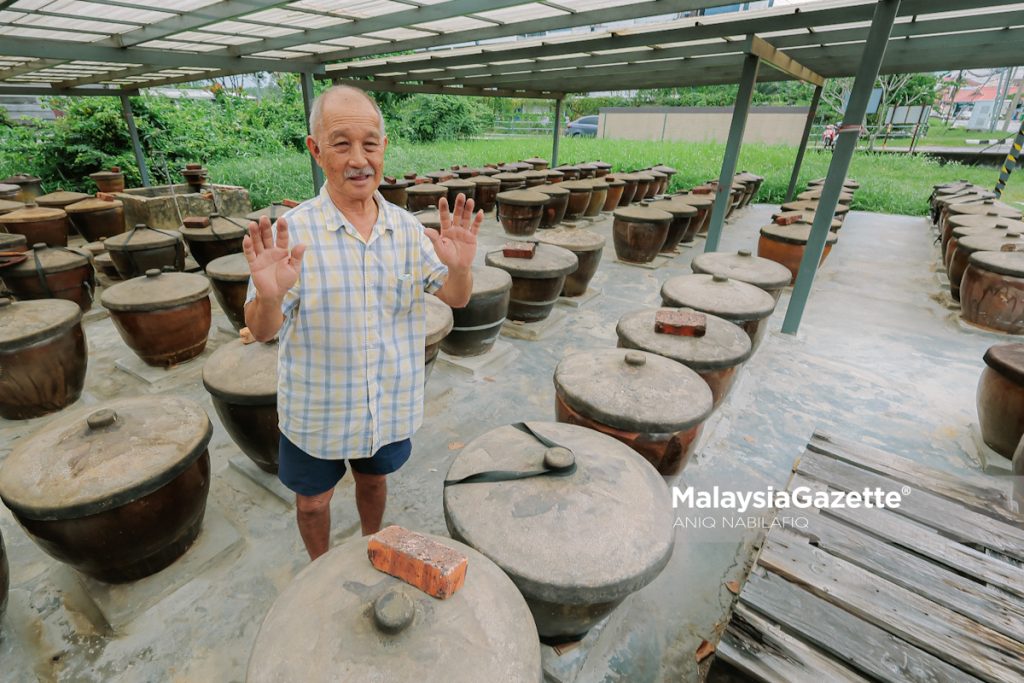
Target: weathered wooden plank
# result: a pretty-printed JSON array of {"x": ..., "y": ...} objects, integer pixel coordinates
[
  {"x": 941, "y": 514},
  {"x": 940, "y": 631},
  {"x": 761, "y": 649},
  {"x": 868, "y": 649},
  {"x": 925, "y": 541},
  {"x": 978, "y": 491},
  {"x": 988, "y": 606}
]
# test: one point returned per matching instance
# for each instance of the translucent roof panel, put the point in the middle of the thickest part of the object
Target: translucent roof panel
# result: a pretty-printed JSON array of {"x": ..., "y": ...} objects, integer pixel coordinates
[
  {"x": 302, "y": 20},
  {"x": 454, "y": 24},
  {"x": 522, "y": 13},
  {"x": 144, "y": 14}
]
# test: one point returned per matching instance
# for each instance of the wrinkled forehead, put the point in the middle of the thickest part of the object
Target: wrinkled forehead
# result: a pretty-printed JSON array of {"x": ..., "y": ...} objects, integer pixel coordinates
[{"x": 350, "y": 112}]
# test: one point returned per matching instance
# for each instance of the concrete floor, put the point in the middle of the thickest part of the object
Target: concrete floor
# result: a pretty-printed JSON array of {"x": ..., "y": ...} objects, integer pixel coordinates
[{"x": 880, "y": 358}]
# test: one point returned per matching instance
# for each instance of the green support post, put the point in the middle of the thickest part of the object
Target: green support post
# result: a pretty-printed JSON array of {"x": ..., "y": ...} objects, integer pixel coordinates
[
  {"x": 849, "y": 132},
  {"x": 795, "y": 177},
  {"x": 307, "y": 105},
  {"x": 140, "y": 158},
  {"x": 1012, "y": 159},
  {"x": 748, "y": 80},
  {"x": 558, "y": 128}
]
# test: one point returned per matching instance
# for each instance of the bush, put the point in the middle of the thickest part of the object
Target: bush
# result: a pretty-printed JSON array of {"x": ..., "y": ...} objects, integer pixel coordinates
[{"x": 426, "y": 118}]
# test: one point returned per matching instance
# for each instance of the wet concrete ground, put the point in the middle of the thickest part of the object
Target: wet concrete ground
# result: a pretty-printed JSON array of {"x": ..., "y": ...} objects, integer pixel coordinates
[{"x": 880, "y": 358}]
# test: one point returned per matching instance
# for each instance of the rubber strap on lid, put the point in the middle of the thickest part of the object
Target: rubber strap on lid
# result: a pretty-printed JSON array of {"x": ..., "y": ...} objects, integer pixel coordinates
[{"x": 552, "y": 468}]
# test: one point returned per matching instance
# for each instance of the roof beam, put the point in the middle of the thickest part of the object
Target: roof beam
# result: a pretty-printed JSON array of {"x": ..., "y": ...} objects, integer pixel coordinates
[
  {"x": 191, "y": 20},
  {"x": 780, "y": 60},
  {"x": 386, "y": 86},
  {"x": 45, "y": 91},
  {"x": 29, "y": 67}
]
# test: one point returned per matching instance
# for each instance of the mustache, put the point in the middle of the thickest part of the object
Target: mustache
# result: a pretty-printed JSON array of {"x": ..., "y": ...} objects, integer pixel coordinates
[{"x": 353, "y": 172}]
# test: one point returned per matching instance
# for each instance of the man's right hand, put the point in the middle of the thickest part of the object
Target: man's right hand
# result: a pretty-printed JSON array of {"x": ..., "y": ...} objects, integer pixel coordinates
[{"x": 274, "y": 268}]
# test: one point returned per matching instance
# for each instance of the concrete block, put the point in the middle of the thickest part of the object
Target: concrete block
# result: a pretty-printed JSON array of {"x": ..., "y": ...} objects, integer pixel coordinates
[
  {"x": 269, "y": 482},
  {"x": 533, "y": 331},
  {"x": 991, "y": 462},
  {"x": 581, "y": 300},
  {"x": 562, "y": 663},
  {"x": 658, "y": 262},
  {"x": 500, "y": 355}
]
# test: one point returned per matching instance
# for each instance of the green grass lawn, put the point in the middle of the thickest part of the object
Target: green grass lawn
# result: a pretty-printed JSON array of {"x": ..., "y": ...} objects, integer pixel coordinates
[
  {"x": 940, "y": 134},
  {"x": 890, "y": 183}
]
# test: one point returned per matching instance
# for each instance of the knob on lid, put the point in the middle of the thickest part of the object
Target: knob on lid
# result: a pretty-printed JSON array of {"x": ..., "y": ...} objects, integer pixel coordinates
[
  {"x": 393, "y": 612},
  {"x": 558, "y": 458},
  {"x": 635, "y": 359},
  {"x": 101, "y": 418}
]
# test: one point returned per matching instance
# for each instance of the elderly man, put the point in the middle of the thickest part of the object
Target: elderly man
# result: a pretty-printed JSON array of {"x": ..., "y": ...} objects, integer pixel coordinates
[{"x": 341, "y": 282}]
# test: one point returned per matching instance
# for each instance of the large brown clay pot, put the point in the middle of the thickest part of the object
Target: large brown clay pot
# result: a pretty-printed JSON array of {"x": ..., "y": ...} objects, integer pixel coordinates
[
  {"x": 848, "y": 183},
  {"x": 52, "y": 273},
  {"x": 961, "y": 226},
  {"x": 669, "y": 173},
  {"x": 38, "y": 224},
  {"x": 1001, "y": 398},
  {"x": 942, "y": 204},
  {"x": 599, "y": 193},
  {"x": 811, "y": 206},
  {"x": 43, "y": 356},
  {"x": 486, "y": 192},
  {"x": 682, "y": 214},
  {"x": 554, "y": 176},
  {"x": 603, "y": 168},
  {"x": 476, "y": 326},
  {"x": 536, "y": 282},
  {"x": 785, "y": 244},
  {"x": 109, "y": 181},
  {"x": 639, "y": 233},
  {"x": 210, "y": 237},
  {"x": 746, "y": 305},
  {"x": 5, "y": 580},
  {"x": 587, "y": 171},
  {"x": 629, "y": 186},
  {"x": 163, "y": 317},
  {"x": 9, "y": 193},
  {"x": 13, "y": 242},
  {"x": 751, "y": 182},
  {"x": 242, "y": 381},
  {"x": 142, "y": 248},
  {"x": 229, "y": 276},
  {"x": 650, "y": 403},
  {"x": 95, "y": 218},
  {"x": 580, "y": 192},
  {"x": 569, "y": 172},
  {"x": 395, "y": 191},
  {"x": 546, "y": 532},
  {"x": 989, "y": 207},
  {"x": 658, "y": 186},
  {"x": 457, "y": 186},
  {"x": 971, "y": 244},
  {"x": 716, "y": 355},
  {"x": 9, "y": 206},
  {"x": 699, "y": 223},
  {"x": 424, "y": 196},
  {"x": 29, "y": 186},
  {"x": 992, "y": 291},
  {"x": 588, "y": 247},
  {"x": 370, "y": 626},
  {"x": 520, "y": 211},
  {"x": 533, "y": 179},
  {"x": 554, "y": 210},
  {"x": 615, "y": 189},
  {"x": 645, "y": 186},
  {"x": 117, "y": 491},
  {"x": 439, "y": 324},
  {"x": 60, "y": 199},
  {"x": 537, "y": 163},
  {"x": 510, "y": 181},
  {"x": 440, "y": 175},
  {"x": 766, "y": 274}
]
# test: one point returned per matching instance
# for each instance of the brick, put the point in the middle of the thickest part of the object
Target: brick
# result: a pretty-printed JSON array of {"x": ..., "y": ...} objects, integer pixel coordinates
[
  {"x": 788, "y": 217},
  {"x": 105, "y": 196},
  {"x": 436, "y": 569},
  {"x": 1011, "y": 247},
  {"x": 519, "y": 249},
  {"x": 290, "y": 203},
  {"x": 680, "y": 323},
  {"x": 701, "y": 190},
  {"x": 389, "y": 179},
  {"x": 196, "y": 222}
]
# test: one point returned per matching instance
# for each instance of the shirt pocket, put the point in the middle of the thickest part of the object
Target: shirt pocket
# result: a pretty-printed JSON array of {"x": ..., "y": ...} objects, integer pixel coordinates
[{"x": 400, "y": 294}]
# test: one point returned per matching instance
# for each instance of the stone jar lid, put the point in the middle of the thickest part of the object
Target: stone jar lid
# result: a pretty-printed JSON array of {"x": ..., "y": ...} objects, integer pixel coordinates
[
  {"x": 535, "y": 175},
  {"x": 508, "y": 175},
  {"x": 50, "y": 259},
  {"x": 613, "y": 182},
  {"x": 20, "y": 179},
  {"x": 142, "y": 237},
  {"x": 699, "y": 201},
  {"x": 960, "y": 233},
  {"x": 574, "y": 239},
  {"x": 593, "y": 536},
  {"x": 489, "y": 280},
  {"x": 439, "y": 320},
  {"x": 816, "y": 195},
  {"x": 596, "y": 184},
  {"x": 33, "y": 213},
  {"x": 675, "y": 206},
  {"x": 243, "y": 374},
  {"x": 657, "y": 174},
  {"x": 523, "y": 198},
  {"x": 485, "y": 180},
  {"x": 93, "y": 205},
  {"x": 600, "y": 164},
  {"x": 555, "y": 174},
  {"x": 12, "y": 241},
  {"x": 218, "y": 228},
  {"x": 577, "y": 186},
  {"x": 97, "y": 458},
  {"x": 983, "y": 242},
  {"x": 7, "y": 206},
  {"x": 794, "y": 233},
  {"x": 667, "y": 170},
  {"x": 743, "y": 266},
  {"x": 487, "y": 171},
  {"x": 273, "y": 212},
  {"x": 731, "y": 299},
  {"x": 60, "y": 199},
  {"x": 156, "y": 291},
  {"x": 986, "y": 207},
  {"x": 811, "y": 205},
  {"x": 340, "y": 619},
  {"x": 230, "y": 268},
  {"x": 642, "y": 214},
  {"x": 458, "y": 184},
  {"x": 1009, "y": 263},
  {"x": 429, "y": 218},
  {"x": 965, "y": 197},
  {"x": 398, "y": 184},
  {"x": 6, "y": 188},
  {"x": 428, "y": 189},
  {"x": 747, "y": 177},
  {"x": 723, "y": 345},
  {"x": 644, "y": 175},
  {"x": 535, "y": 160},
  {"x": 986, "y": 221},
  {"x": 633, "y": 390},
  {"x": 106, "y": 175},
  {"x": 808, "y": 218},
  {"x": 551, "y": 190},
  {"x": 26, "y": 323},
  {"x": 548, "y": 261},
  {"x": 1007, "y": 360},
  {"x": 849, "y": 182}
]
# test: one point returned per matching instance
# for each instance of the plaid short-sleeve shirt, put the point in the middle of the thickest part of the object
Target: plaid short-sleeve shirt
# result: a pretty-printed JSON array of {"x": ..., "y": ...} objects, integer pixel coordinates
[{"x": 350, "y": 365}]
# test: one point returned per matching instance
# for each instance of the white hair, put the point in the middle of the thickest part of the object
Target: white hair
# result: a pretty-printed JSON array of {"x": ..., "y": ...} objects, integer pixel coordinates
[{"x": 316, "y": 111}]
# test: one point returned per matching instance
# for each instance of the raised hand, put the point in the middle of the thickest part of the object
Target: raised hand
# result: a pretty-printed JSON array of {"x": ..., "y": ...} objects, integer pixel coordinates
[
  {"x": 274, "y": 268},
  {"x": 455, "y": 244}
]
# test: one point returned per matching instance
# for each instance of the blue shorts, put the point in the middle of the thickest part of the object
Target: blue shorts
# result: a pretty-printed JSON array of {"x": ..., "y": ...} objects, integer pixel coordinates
[{"x": 310, "y": 476}]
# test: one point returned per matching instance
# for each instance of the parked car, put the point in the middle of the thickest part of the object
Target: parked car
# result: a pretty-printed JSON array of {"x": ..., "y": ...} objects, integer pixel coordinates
[{"x": 584, "y": 127}]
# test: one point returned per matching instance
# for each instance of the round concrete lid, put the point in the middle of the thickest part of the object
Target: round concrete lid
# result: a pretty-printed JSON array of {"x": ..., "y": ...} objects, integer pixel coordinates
[
  {"x": 807, "y": 217},
  {"x": 230, "y": 268},
  {"x": 155, "y": 291},
  {"x": 26, "y": 323},
  {"x": 523, "y": 198},
  {"x": 1009, "y": 263},
  {"x": 551, "y": 190},
  {"x": 100, "y": 457},
  {"x": 535, "y": 160},
  {"x": 273, "y": 212},
  {"x": 1008, "y": 360},
  {"x": 642, "y": 214},
  {"x": 723, "y": 345},
  {"x": 675, "y": 206},
  {"x": 849, "y": 183},
  {"x": 484, "y": 180},
  {"x": 60, "y": 198},
  {"x": 107, "y": 175},
  {"x": 811, "y": 205},
  {"x": 816, "y": 194},
  {"x": 219, "y": 228},
  {"x": 986, "y": 207},
  {"x": 142, "y": 237},
  {"x": 92, "y": 205},
  {"x": 577, "y": 186},
  {"x": 429, "y": 218},
  {"x": 743, "y": 266},
  {"x": 12, "y": 241},
  {"x": 731, "y": 299},
  {"x": 458, "y": 184},
  {"x": 593, "y": 536},
  {"x": 573, "y": 239},
  {"x": 429, "y": 189},
  {"x": 31, "y": 213},
  {"x": 439, "y": 320},
  {"x": 699, "y": 201},
  {"x": 990, "y": 242},
  {"x": 243, "y": 374},
  {"x": 986, "y": 221},
  {"x": 510, "y": 176},
  {"x": 50, "y": 260},
  {"x": 794, "y": 233},
  {"x": 488, "y": 280},
  {"x": 548, "y": 261}
]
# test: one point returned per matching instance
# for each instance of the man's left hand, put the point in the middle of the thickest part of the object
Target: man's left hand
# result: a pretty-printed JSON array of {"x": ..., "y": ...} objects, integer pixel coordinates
[{"x": 455, "y": 244}]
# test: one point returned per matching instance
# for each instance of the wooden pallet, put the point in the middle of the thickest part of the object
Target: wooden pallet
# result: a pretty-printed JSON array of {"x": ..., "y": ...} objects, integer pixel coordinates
[{"x": 931, "y": 591}]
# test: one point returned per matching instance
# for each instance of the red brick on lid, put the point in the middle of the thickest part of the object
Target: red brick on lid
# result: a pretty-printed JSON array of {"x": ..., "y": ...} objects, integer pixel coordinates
[
  {"x": 290, "y": 203},
  {"x": 788, "y": 217},
  {"x": 196, "y": 222},
  {"x": 519, "y": 249},
  {"x": 432, "y": 567},
  {"x": 701, "y": 190},
  {"x": 680, "y": 323},
  {"x": 105, "y": 196}
]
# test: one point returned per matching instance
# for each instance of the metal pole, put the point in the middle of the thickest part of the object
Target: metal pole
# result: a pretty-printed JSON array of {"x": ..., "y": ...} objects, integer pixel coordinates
[
  {"x": 917, "y": 129},
  {"x": 812, "y": 112},
  {"x": 307, "y": 105},
  {"x": 557, "y": 130},
  {"x": 140, "y": 158},
  {"x": 853, "y": 120},
  {"x": 1011, "y": 161},
  {"x": 748, "y": 80}
]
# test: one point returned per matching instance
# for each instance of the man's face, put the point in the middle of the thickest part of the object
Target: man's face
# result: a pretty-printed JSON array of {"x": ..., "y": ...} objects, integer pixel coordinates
[{"x": 349, "y": 146}]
